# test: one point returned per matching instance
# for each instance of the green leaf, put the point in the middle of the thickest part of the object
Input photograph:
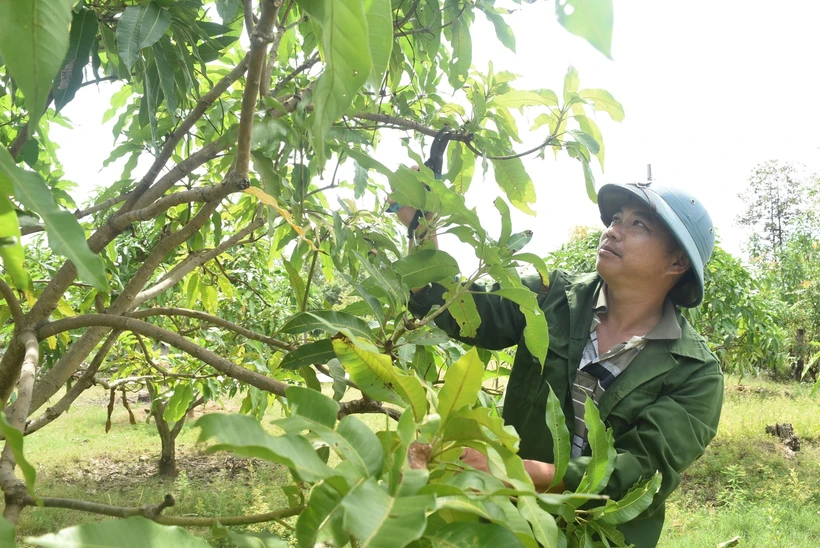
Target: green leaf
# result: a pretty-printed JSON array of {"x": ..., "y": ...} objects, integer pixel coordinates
[
  {"x": 312, "y": 405},
  {"x": 297, "y": 284},
  {"x": 244, "y": 436},
  {"x": 461, "y": 384},
  {"x": 589, "y": 181},
  {"x": 380, "y": 38},
  {"x": 464, "y": 310},
  {"x": 516, "y": 183},
  {"x": 227, "y": 9},
  {"x": 586, "y": 140},
  {"x": 256, "y": 540},
  {"x": 429, "y": 265},
  {"x": 323, "y": 513},
  {"x": 589, "y": 127},
  {"x": 464, "y": 534},
  {"x": 538, "y": 263},
  {"x": 7, "y": 533},
  {"x": 635, "y": 501},
  {"x": 136, "y": 532},
  {"x": 377, "y": 377},
  {"x": 503, "y": 31},
  {"x": 11, "y": 252},
  {"x": 347, "y": 63},
  {"x": 543, "y": 524},
  {"x": 166, "y": 78},
  {"x": 462, "y": 167},
  {"x": 352, "y": 439},
  {"x": 557, "y": 424},
  {"x": 84, "y": 29},
  {"x": 571, "y": 83},
  {"x": 140, "y": 27},
  {"x": 30, "y": 153},
  {"x": 517, "y": 99},
  {"x": 518, "y": 241},
  {"x": 602, "y": 100},
  {"x": 329, "y": 321},
  {"x": 319, "y": 352},
  {"x": 536, "y": 333},
  {"x": 589, "y": 19},
  {"x": 65, "y": 235},
  {"x": 14, "y": 440},
  {"x": 506, "y": 223},
  {"x": 379, "y": 520},
  {"x": 337, "y": 372},
  {"x": 602, "y": 443},
  {"x": 33, "y": 44},
  {"x": 178, "y": 404},
  {"x": 479, "y": 424},
  {"x": 462, "y": 57},
  {"x": 371, "y": 371}
]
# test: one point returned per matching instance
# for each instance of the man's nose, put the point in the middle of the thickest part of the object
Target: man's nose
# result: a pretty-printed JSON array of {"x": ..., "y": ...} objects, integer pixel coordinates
[{"x": 614, "y": 231}]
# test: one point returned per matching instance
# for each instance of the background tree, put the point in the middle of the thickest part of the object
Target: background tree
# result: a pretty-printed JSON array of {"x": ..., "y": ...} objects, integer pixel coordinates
[{"x": 777, "y": 200}]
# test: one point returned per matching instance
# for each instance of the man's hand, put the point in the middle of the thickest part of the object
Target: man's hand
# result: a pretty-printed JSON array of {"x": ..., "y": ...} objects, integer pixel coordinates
[
  {"x": 475, "y": 459},
  {"x": 541, "y": 473}
]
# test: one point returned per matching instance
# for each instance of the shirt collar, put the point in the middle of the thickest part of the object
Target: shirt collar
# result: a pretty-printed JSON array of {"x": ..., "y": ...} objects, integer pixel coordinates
[{"x": 667, "y": 328}]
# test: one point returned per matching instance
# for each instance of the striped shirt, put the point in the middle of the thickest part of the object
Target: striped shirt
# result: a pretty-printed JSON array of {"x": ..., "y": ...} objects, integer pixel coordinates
[{"x": 597, "y": 372}]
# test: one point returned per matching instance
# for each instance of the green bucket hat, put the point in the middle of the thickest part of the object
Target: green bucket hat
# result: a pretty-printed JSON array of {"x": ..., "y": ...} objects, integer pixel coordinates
[{"x": 687, "y": 220}]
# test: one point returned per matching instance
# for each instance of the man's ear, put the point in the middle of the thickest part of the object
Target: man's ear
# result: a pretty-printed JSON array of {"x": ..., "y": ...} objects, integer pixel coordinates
[{"x": 680, "y": 262}]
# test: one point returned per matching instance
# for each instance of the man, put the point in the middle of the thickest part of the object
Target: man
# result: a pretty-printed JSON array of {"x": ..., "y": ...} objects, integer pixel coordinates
[{"x": 617, "y": 336}]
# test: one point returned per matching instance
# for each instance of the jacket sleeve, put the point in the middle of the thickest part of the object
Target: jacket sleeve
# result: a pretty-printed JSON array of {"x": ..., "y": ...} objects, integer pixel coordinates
[
  {"x": 668, "y": 436},
  {"x": 502, "y": 322}
]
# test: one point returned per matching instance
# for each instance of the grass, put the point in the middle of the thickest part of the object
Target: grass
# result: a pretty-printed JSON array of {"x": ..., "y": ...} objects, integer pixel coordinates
[{"x": 746, "y": 485}]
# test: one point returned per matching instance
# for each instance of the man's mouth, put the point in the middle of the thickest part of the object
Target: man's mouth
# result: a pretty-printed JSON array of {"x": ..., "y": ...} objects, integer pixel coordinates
[{"x": 608, "y": 249}]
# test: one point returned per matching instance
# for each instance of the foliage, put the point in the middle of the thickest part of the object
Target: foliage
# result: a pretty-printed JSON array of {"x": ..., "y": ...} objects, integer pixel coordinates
[{"x": 216, "y": 250}]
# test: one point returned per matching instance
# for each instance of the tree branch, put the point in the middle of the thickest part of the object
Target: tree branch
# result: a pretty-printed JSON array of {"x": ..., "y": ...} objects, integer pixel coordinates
[
  {"x": 193, "y": 261},
  {"x": 143, "y": 328},
  {"x": 196, "y": 314},
  {"x": 366, "y": 405},
  {"x": 202, "y": 194},
  {"x": 183, "y": 168},
  {"x": 150, "y": 511},
  {"x": 176, "y": 136},
  {"x": 13, "y": 488},
  {"x": 260, "y": 37},
  {"x": 153, "y": 512},
  {"x": 295, "y": 72},
  {"x": 82, "y": 384},
  {"x": 51, "y": 381},
  {"x": 409, "y": 124},
  {"x": 14, "y": 305}
]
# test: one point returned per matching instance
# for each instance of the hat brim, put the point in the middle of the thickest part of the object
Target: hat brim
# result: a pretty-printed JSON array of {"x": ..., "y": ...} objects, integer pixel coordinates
[{"x": 613, "y": 197}]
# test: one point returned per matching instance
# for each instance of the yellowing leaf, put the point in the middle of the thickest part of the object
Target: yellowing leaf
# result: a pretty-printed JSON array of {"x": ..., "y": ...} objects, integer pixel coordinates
[{"x": 269, "y": 200}]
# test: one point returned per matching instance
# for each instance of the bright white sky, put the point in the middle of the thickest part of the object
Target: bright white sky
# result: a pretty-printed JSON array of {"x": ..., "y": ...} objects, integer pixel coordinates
[{"x": 710, "y": 89}]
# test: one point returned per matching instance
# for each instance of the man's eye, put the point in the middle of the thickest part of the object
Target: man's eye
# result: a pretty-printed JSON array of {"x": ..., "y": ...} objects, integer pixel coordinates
[{"x": 640, "y": 224}]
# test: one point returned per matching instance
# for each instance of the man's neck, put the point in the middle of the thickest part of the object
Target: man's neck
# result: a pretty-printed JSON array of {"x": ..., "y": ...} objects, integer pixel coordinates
[{"x": 631, "y": 310}]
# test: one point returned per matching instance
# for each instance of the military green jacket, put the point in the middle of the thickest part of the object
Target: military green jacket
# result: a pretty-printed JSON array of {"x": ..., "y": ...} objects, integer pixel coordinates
[{"x": 663, "y": 409}]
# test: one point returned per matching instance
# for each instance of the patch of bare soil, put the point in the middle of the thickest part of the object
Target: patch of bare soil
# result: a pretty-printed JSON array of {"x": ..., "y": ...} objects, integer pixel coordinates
[{"x": 106, "y": 474}]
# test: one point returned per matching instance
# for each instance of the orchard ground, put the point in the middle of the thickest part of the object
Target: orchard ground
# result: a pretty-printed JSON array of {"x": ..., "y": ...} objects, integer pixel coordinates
[{"x": 747, "y": 484}]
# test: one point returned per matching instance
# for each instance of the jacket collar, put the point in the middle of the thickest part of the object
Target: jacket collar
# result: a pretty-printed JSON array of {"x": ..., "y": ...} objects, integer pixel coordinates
[{"x": 657, "y": 358}]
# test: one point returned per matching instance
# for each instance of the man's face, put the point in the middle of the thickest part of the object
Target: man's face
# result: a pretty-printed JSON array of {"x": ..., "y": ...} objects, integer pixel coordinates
[{"x": 637, "y": 248}]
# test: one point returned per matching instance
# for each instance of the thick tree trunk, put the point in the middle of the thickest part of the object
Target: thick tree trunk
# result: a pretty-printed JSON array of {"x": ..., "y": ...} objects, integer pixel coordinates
[
  {"x": 168, "y": 436},
  {"x": 168, "y": 456}
]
